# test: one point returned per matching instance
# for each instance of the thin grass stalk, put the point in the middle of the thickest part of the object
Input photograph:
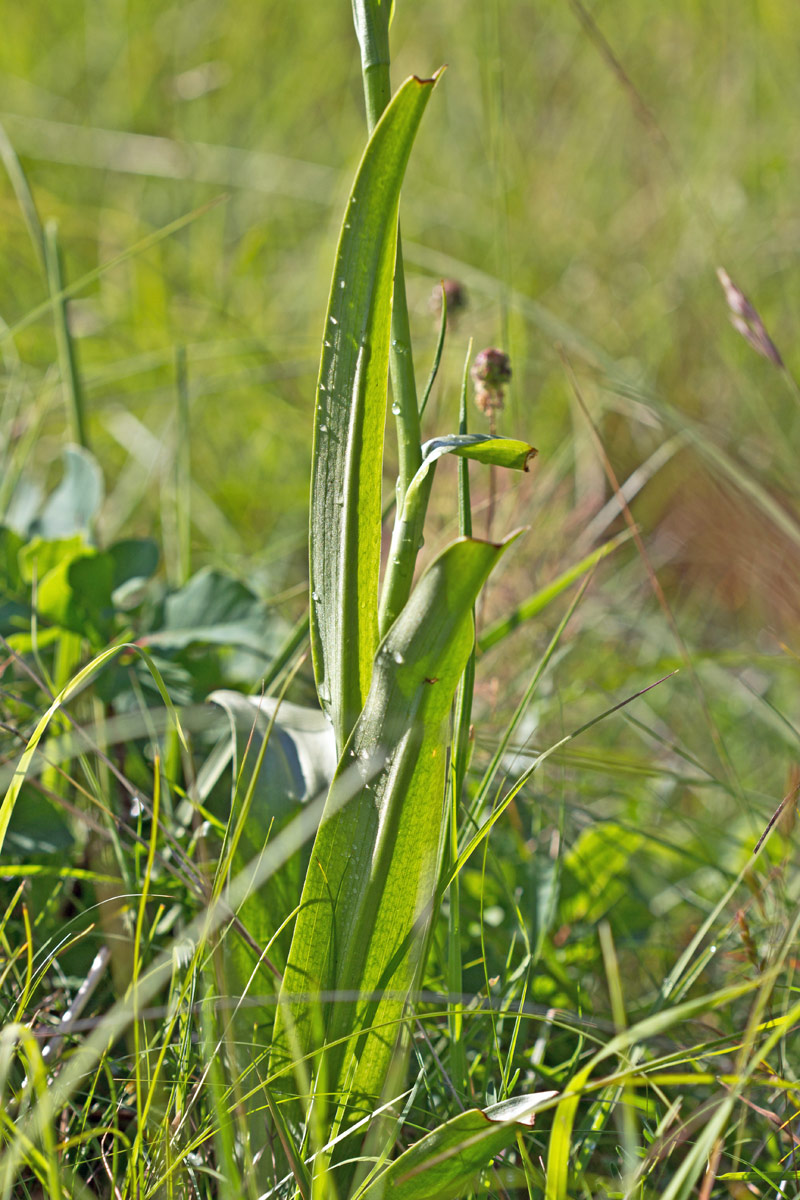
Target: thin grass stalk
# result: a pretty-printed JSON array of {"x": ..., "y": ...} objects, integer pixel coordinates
[
  {"x": 70, "y": 378},
  {"x": 183, "y": 469},
  {"x": 482, "y": 794},
  {"x": 514, "y": 791},
  {"x": 437, "y": 357},
  {"x": 224, "y": 1132},
  {"x": 139, "y": 1026},
  {"x": 294, "y": 642},
  {"x": 628, "y": 1124},
  {"x": 9, "y": 332},
  {"x": 24, "y": 195}
]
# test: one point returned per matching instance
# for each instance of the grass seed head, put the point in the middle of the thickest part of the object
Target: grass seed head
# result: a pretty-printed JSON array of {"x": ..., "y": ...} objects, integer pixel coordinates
[
  {"x": 490, "y": 373},
  {"x": 746, "y": 321}
]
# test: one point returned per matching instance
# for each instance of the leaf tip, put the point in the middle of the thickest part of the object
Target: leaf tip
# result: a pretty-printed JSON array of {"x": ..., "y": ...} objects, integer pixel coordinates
[
  {"x": 512, "y": 537},
  {"x": 434, "y": 79}
]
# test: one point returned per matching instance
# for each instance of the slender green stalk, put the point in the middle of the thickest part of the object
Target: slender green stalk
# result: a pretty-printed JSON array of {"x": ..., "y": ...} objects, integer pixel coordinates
[
  {"x": 183, "y": 470},
  {"x": 408, "y": 527},
  {"x": 293, "y": 642},
  {"x": 73, "y": 393},
  {"x": 437, "y": 358},
  {"x": 458, "y": 771},
  {"x": 464, "y": 702},
  {"x": 371, "y": 19},
  {"x": 24, "y": 195},
  {"x": 372, "y": 28},
  {"x": 404, "y": 388}
]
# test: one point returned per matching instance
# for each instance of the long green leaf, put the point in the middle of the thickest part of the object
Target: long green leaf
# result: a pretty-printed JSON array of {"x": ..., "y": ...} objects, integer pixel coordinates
[
  {"x": 442, "y": 1165},
  {"x": 345, "y": 526},
  {"x": 373, "y": 867}
]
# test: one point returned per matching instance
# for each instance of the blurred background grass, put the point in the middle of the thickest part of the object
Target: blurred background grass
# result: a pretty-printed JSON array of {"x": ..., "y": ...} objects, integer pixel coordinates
[
  {"x": 583, "y": 173},
  {"x": 538, "y": 178}
]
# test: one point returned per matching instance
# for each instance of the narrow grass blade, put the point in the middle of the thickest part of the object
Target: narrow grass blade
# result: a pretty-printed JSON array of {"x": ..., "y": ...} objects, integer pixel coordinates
[
  {"x": 196, "y": 936},
  {"x": 437, "y": 358},
  {"x": 23, "y": 193},
  {"x": 80, "y": 284},
  {"x": 550, "y": 592},
  {"x": 183, "y": 470},
  {"x": 482, "y": 792},
  {"x": 459, "y": 759},
  {"x": 372, "y": 876},
  {"x": 652, "y": 1026},
  {"x": 75, "y": 685},
  {"x": 497, "y": 812},
  {"x": 67, "y": 360},
  {"x": 345, "y": 519}
]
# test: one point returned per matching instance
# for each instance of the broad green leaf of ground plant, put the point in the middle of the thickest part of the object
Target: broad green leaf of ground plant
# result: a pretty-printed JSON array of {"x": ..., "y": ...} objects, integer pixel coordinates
[
  {"x": 372, "y": 874},
  {"x": 75, "y": 503},
  {"x": 215, "y": 609},
  {"x": 345, "y": 522},
  {"x": 297, "y": 765},
  {"x": 443, "y": 1164},
  {"x": 71, "y": 583}
]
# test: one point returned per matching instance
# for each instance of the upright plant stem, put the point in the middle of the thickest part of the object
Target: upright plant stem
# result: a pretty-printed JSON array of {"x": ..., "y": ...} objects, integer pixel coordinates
[
  {"x": 66, "y": 351},
  {"x": 183, "y": 470},
  {"x": 372, "y": 28},
  {"x": 458, "y": 770}
]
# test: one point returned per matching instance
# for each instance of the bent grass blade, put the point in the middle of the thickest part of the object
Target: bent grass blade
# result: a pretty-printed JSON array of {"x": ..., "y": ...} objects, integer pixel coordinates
[{"x": 76, "y": 685}]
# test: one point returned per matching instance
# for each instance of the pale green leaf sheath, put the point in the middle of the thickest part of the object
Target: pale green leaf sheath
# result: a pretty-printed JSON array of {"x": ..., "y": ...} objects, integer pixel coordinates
[
  {"x": 350, "y": 419},
  {"x": 373, "y": 866}
]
